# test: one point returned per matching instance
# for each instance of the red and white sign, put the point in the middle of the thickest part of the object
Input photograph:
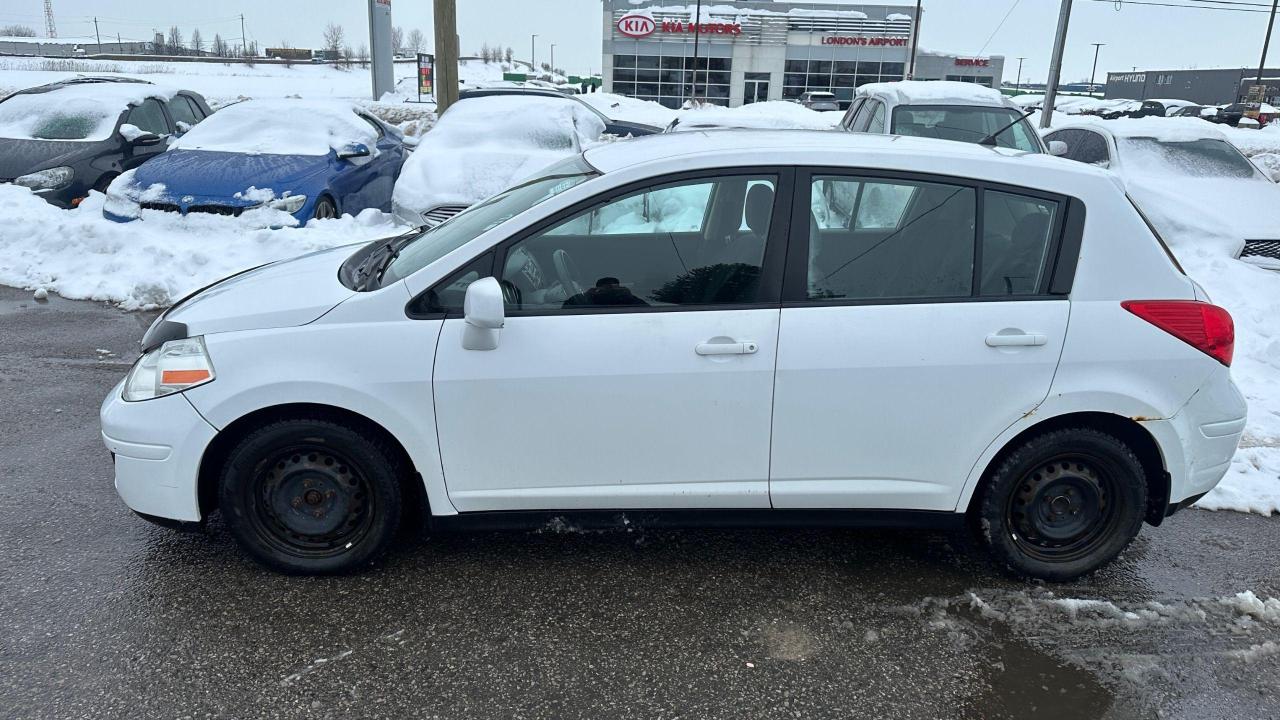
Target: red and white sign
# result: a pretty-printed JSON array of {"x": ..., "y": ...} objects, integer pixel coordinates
[
  {"x": 973, "y": 62},
  {"x": 711, "y": 28},
  {"x": 867, "y": 41},
  {"x": 636, "y": 25}
]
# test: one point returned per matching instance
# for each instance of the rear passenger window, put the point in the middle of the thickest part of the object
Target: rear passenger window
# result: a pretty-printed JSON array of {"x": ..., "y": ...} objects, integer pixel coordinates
[
  {"x": 148, "y": 117},
  {"x": 181, "y": 109},
  {"x": 872, "y": 238},
  {"x": 1016, "y": 234}
]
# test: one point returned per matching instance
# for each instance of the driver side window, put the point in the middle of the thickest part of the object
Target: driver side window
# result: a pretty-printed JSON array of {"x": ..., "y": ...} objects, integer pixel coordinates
[{"x": 698, "y": 242}]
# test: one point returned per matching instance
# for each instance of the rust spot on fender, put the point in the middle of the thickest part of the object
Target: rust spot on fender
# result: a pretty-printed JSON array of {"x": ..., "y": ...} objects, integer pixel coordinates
[{"x": 1143, "y": 418}]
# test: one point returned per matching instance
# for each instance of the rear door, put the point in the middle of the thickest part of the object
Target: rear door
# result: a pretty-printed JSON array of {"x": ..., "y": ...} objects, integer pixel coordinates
[{"x": 917, "y": 325}]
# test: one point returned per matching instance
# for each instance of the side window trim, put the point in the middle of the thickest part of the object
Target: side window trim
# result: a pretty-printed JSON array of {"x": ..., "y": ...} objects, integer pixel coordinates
[{"x": 1060, "y": 258}]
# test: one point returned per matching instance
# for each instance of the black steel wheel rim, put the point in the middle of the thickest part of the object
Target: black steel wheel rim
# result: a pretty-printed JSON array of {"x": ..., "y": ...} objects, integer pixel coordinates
[
  {"x": 311, "y": 501},
  {"x": 1064, "y": 508}
]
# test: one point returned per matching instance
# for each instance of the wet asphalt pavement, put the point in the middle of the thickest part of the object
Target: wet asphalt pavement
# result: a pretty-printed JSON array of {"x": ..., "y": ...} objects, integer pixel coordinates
[{"x": 105, "y": 616}]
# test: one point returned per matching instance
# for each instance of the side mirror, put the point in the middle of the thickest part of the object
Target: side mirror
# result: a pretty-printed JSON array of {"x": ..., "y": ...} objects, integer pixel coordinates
[
  {"x": 1057, "y": 148},
  {"x": 354, "y": 150},
  {"x": 483, "y": 313}
]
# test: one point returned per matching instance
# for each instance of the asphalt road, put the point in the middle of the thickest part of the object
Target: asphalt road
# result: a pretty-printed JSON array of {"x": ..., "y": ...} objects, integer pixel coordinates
[{"x": 105, "y": 616}]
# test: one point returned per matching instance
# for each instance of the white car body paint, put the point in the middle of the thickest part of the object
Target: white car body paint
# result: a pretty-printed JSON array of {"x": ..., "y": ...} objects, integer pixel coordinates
[{"x": 870, "y": 406}]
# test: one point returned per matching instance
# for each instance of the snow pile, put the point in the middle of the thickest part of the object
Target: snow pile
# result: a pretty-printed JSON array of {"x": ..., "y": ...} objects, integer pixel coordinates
[
  {"x": 1252, "y": 484},
  {"x": 280, "y": 127},
  {"x": 484, "y": 145},
  {"x": 80, "y": 255},
  {"x": 77, "y": 112}
]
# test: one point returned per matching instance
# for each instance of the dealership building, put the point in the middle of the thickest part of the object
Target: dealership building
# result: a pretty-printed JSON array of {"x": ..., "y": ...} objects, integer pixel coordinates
[
  {"x": 755, "y": 50},
  {"x": 1207, "y": 87}
]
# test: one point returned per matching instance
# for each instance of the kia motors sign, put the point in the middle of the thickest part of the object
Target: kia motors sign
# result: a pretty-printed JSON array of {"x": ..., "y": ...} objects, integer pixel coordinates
[{"x": 636, "y": 25}]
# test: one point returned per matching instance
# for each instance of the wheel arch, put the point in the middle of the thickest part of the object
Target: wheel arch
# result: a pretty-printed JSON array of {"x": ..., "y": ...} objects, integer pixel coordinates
[
  {"x": 216, "y": 453},
  {"x": 1128, "y": 430}
]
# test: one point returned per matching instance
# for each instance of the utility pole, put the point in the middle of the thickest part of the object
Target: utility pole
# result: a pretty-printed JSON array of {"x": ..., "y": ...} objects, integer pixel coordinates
[
  {"x": 553, "y": 57},
  {"x": 1017, "y": 86},
  {"x": 98, "y": 34},
  {"x": 242, "y": 46},
  {"x": 533, "y": 54},
  {"x": 697, "y": 33},
  {"x": 1097, "y": 47},
  {"x": 915, "y": 41},
  {"x": 446, "y": 20},
  {"x": 1267, "y": 42},
  {"x": 383, "y": 71},
  {"x": 1055, "y": 64}
]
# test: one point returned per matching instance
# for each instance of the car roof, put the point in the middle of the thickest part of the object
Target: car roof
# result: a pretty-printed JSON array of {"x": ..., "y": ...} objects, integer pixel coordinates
[
  {"x": 825, "y": 148},
  {"x": 936, "y": 92}
]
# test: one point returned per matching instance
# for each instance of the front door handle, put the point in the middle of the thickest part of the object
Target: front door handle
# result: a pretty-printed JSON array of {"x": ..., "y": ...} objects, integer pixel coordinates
[
  {"x": 726, "y": 348},
  {"x": 1001, "y": 339}
]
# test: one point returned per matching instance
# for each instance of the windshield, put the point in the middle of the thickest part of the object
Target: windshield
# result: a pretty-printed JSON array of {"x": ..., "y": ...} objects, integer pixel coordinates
[
  {"x": 477, "y": 219},
  {"x": 1193, "y": 158},
  {"x": 49, "y": 116},
  {"x": 965, "y": 124}
]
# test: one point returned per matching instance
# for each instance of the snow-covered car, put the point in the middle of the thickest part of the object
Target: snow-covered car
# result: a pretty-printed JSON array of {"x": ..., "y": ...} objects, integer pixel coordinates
[
  {"x": 612, "y": 126},
  {"x": 67, "y": 138},
  {"x": 940, "y": 109},
  {"x": 684, "y": 327},
  {"x": 307, "y": 158},
  {"x": 771, "y": 115},
  {"x": 484, "y": 145},
  {"x": 1188, "y": 179}
]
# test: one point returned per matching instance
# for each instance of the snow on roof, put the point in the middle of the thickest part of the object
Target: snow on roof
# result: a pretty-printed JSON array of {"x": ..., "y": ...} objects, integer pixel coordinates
[
  {"x": 481, "y": 146},
  {"x": 280, "y": 127},
  {"x": 1175, "y": 129},
  {"x": 84, "y": 112},
  {"x": 935, "y": 92},
  {"x": 773, "y": 115}
]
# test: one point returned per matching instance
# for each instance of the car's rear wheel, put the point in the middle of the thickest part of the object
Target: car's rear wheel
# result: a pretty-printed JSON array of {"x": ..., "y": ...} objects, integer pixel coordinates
[
  {"x": 325, "y": 209},
  {"x": 1063, "y": 504},
  {"x": 311, "y": 496}
]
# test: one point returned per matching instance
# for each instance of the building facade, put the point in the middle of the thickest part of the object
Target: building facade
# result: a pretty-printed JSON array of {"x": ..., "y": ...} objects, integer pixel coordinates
[
  {"x": 1207, "y": 87},
  {"x": 70, "y": 47},
  {"x": 751, "y": 50}
]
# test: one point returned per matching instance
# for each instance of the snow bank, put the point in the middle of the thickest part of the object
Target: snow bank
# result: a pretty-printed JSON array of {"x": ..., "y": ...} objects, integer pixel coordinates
[
  {"x": 85, "y": 113},
  {"x": 280, "y": 127},
  {"x": 80, "y": 255},
  {"x": 482, "y": 146},
  {"x": 1252, "y": 485}
]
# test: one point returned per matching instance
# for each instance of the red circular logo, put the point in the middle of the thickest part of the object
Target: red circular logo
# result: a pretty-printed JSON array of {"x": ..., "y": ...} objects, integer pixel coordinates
[{"x": 636, "y": 26}]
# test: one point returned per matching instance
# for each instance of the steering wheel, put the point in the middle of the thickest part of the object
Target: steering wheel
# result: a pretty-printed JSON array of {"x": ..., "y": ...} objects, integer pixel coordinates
[{"x": 566, "y": 272}]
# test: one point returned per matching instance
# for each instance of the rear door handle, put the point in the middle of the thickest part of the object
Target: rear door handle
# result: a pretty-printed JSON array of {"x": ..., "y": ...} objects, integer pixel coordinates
[
  {"x": 1016, "y": 339},
  {"x": 729, "y": 348}
]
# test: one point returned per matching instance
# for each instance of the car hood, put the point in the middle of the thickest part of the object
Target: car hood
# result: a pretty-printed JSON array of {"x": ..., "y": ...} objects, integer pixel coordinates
[
  {"x": 281, "y": 294},
  {"x": 209, "y": 174},
  {"x": 1219, "y": 212},
  {"x": 19, "y": 157}
]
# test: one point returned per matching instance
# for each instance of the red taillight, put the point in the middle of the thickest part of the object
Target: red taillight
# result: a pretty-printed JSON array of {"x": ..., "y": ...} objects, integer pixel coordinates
[{"x": 1207, "y": 328}]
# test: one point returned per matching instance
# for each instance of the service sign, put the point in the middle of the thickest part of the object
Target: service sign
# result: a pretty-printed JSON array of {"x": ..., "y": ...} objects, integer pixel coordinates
[
  {"x": 973, "y": 62},
  {"x": 636, "y": 25}
]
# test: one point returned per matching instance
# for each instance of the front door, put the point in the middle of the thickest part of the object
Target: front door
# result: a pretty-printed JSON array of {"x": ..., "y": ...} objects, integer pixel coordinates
[
  {"x": 635, "y": 368},
  {"x": 916, "y": 329},
  {"x": 756, "y": 88}
]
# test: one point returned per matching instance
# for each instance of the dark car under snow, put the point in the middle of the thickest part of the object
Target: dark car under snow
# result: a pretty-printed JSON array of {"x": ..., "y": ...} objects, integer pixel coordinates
[{"x": 67, "y": 138}]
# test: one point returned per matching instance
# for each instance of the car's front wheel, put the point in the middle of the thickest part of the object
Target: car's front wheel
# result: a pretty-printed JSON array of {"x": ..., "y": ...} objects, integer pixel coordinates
[
  {"x": 1063, "y": 504},
  {"x": 325, "y": 209},
  {"x": 311, "y": 496}
]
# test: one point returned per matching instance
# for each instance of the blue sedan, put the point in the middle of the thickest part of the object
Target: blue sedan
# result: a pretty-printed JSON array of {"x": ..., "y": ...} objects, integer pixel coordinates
[{"x": 305, "y": 158}]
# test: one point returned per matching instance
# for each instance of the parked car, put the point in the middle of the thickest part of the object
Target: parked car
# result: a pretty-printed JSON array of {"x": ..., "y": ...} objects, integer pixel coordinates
[
  {"x": 1135, "y": 109},
  {"x": 1256, "y": 114},
  {"x": 484, "y": 144},
  {"x": 1204, "y": 112},
  {"x": 621, "y": 128},
  {"x": 816, "y": 100},
  {"x": 1183, "y": 164},
  {"x": 965, "y": 112},
  {"x": 67, "y": 138},
  {"x": 640, "y": 334},
  {"x": 310, "y": 159}
]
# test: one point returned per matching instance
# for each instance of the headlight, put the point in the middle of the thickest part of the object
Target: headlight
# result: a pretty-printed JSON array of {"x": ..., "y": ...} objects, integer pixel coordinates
[
  {"x": 289, "y": 203},
  {"x": 51, "y": 179},
  {"x": 173, "y": 367}
]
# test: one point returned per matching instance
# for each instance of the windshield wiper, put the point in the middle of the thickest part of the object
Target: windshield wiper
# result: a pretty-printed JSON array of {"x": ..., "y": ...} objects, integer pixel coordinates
[
  {"x": 376, "y": 262},
  {"x": 991, "y": 139}
]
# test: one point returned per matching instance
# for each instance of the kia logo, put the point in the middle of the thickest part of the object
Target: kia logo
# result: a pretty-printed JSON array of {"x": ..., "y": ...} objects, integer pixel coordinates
[{"x": 636, "y": 26}]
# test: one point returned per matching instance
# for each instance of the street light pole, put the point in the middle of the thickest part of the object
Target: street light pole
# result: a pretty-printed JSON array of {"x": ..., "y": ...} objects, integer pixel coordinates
[
  {"x": 1267, "y": 42},
  {"x": 1097, "y": 47},
  {"x": 533, "y": 54},
  {"x": 697, "y": 32},
  {"x": 1017, "y": 86},
  {"x": 1055, "y": 64},
  {"x": 553, "y": 57},
  {"x": 915, "y": 41}
]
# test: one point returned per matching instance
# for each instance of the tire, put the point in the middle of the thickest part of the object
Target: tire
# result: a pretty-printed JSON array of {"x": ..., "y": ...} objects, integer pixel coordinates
[
  {"x": 1063, "y": 504},
  {"x": 325, "y": 209},
  {"x": 311, "y": 496},
  {"x": 104, "y": 182}
]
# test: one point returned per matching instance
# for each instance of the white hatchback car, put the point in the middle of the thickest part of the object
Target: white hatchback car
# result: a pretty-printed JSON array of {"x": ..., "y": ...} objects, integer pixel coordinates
[{"x": 750, "y": 327}]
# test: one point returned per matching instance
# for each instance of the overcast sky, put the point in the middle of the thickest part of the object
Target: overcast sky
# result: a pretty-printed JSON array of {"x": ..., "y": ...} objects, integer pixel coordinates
[{"x": 1146, "y": 37}]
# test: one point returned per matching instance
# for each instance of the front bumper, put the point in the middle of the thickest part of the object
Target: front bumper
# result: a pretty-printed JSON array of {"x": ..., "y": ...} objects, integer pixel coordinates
[{"x": 157, "y": 446}]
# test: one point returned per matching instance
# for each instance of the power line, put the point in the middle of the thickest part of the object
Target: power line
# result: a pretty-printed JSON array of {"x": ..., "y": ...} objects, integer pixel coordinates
[{"x": 1002, "y": 21}]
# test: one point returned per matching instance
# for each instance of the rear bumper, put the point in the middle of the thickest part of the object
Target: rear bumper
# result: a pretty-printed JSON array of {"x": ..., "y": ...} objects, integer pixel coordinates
[
  {"x": 1200, "y": 440},
  {"x": 157, "y": 446}
]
